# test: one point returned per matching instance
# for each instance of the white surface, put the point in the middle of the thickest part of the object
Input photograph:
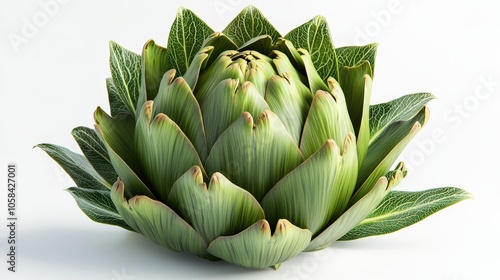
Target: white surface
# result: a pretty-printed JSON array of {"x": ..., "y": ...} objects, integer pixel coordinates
[{"x": 56, "y": 80}]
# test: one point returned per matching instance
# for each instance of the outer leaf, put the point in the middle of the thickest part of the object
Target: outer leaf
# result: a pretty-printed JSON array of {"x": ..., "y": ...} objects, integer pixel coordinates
[
  {"x": 158, "y": 222},
  {"x": 246, "y": 149},
  {"x": 98, "y": 206},
  {"x": 352, "y": 217},
  {"x": 354, "y": 55},
  {"x": 314, "y": 36},
  {"x": 401, "y": 109},
  {"x": 220, "y": 43},
  {"x": 126, "y": 73},
  {"x": 305, "y": 195},
  {"x": 116, "y": 105},
  {"x": 256, "y": 248},
  {"x": 221, "y": 209},
  {"x": 385, "y": 150},
  {"x": 77, "y": 167},
  {"x": 400, "y": 209},
  {"x": 248, "y": 24},
  {"x": 95, "y": 152},
  {"x": 185, "y": 39}
]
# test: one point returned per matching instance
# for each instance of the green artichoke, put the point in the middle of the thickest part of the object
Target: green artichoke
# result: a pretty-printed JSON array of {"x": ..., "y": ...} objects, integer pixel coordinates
[{"x": 248, "y": 146}]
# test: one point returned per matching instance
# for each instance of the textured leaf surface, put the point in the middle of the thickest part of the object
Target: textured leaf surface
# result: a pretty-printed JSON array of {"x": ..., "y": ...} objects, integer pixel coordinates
[
  {"x": 126, "y": 73},
  {"x": 246, "y": 149},
  {"x": 256, "y": 248},
  {"x": 314, "y": 36},
  {"x": 221, "y": 209},
  {"x": 95, "y": 152},
  {"x": 351, "y": 217},
  {"x": 185, "y": 39},
  {"x": 158, "y": 222},
  {"x": 154, "y": 66},
  {"x": 400, "y": 109},
  {"x": 98, "y": 206},
  {"x": 400, "y": 209},
  {"x": 248, "y": 24},
  {"x": 77, "y": 167},
  {"x": 354, "y": 55},
  {"x": 116, "y": 105}
]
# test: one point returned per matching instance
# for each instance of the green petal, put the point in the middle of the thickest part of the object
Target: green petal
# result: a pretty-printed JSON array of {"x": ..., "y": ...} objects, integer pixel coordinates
[
  {"x": 354, "y": 55},
  {"x": 245, "y": 149},
  {"x": 221, "y": 209},
  {"x": 314, "y": 36},
  {"x": 401, "y": 209},
  {"x": 288, "y": 49},
  {"x": 154, "y": 66},
  {"x": 163, "y": 150},
  {"x": 283, "y": 65},
  {"x": 248, "y": 24},
  {"x": 226, "y": 103},
  {"x": 220, "y": 43},
  {"x": 384, "y": 151},
  {"x": 352, "y": 217},
  {"x": 314, "y": 79},
  {"x": 290, "y": 102},
  {"x": 327, "y": 119},
  {"x": 261, "y": 44},
  {"x": 199, "y": 62},
  {"x": 126, "y": 73},
  {"x": 357, "y": 86},
  {"x": 117, "y": 134},
  {"x": 400, "y": 109},
  {"x": 98, "y": 206},
  {"x": 305, "y": 196},
  {"x": 77, "y": 167},
  {"x": 95, "y": 152},
  {"x": 187, "y": 34},
  {"x": 256, "y": 248},
  {"x": 158, "y": 222},
  {"x": 116, "y": 105},
  {"x": 259, "y": 72},
  {"x": 176, "y": 100}
]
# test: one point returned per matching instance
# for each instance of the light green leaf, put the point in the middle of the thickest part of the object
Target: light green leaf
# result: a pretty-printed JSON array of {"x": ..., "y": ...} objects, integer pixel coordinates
[
  {"x": 221, "y": 209},
  {"x": 185, "y": 39},
  {"x": 220, "y": 43},
  {"x": 98, "y": 206},
  {"x": 314, "y": 36},
  {"x": 158, "y": 222},
  {"x": 384, "y": 151},
  {"x": 354, "y": 55},
  {"x": 256, "y": 248},
  {"x": 116, "y": 105},
  {"x": 246, "y": 149},
  {"x": 400, "y": 109},
  {"x": 176, "y": 100},
  {"x": 77, "y": 167},
  {"x": 351, "y": 217},
  {"x": 400, "y": 209},
  {"x": 261, "y": 44},
  {"x": 95, "y": 152},
  {"x": 126, "y": 73},
  {"x": 248, "y": 24},
  {"x": 163, "y": 150}
]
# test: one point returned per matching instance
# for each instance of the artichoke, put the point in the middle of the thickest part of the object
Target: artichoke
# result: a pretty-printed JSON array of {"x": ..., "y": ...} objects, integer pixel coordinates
[{"x": 248, "y": 146}]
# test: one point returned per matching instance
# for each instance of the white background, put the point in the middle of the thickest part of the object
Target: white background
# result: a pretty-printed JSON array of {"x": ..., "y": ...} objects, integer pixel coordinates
[{"x": 54, "y": 80}]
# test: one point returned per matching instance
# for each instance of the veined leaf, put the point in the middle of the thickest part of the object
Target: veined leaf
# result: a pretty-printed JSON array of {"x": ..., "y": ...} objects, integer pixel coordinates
[
  {"x": 126, "y": 73},
  {"x": 314, "y": 36},
  {"x": 400, "y": 209},
  {"x": 185, "y": 39},
  {"x": 95, "y": 152},
  {"x": 116, "y": 105},
  {"x": 400, "y": 109},
  {"x": 77, "y": 167},
  {"x": 248, "y": 24},
  {"x": 98, "y": 206},
  {"x": 354, "y": 55}
]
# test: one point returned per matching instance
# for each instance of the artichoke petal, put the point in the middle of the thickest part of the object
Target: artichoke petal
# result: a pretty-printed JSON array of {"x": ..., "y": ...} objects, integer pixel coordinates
[
  {"x": 261, "y": 44},
  {"x": 306, "y": 196},
  {"x": 219, "y": 43},
  {"x": 221, "y": 209},
  {"x": 154, "y": 66},
  {"x": 351, "y": 217},
  {"x": 255, "y": 247},
  {"x": 158, "y": 222},
  {"x": 315, "y": 81},
  {"x": 246, "y": 149},
  {"x": 162, "y": 146},
  {"x": 354, "y": 55},
  {"x": 176, "y": 100},
  {"x": 193, "y": 71}
]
